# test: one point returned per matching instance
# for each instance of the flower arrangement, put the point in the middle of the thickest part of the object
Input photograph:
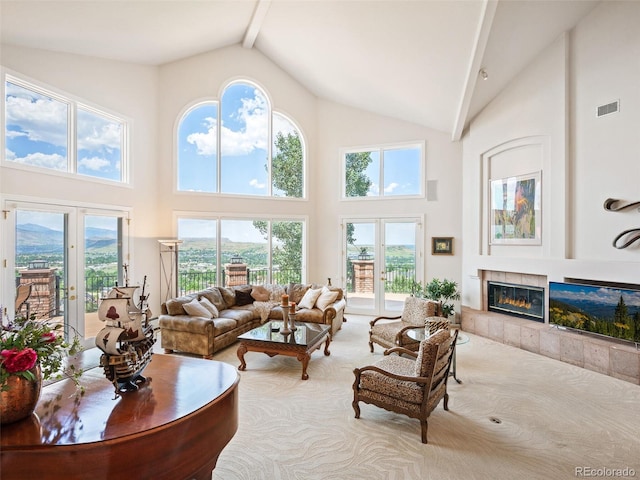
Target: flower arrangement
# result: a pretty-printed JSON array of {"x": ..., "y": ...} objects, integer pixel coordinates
[{"x": 27, "y": 342}]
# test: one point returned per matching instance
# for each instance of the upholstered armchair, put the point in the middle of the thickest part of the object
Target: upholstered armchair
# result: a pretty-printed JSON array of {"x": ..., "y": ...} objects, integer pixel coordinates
[
  {"x": 390, "y": 332},
  {"x": 410, "y": 386}
]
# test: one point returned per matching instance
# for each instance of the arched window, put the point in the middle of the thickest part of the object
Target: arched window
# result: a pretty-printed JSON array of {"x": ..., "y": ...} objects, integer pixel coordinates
[
  {"x": 240, "y": 146},
  {"x": 198, "y": 149}
]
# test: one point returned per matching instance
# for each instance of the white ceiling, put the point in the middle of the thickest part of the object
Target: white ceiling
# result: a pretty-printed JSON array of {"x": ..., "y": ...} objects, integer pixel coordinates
[{"x": 416, "y": 60}]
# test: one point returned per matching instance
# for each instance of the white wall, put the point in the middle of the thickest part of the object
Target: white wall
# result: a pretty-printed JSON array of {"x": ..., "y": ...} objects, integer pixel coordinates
[
  {"x": 204, "y": 77},
  {"x": 126, "y": 89},
  {"x": 584, "y": 160},
  {"x": 340, "y": 126}
]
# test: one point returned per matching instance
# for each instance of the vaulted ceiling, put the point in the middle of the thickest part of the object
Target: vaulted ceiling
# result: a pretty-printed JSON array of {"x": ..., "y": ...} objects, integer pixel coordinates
[{"x": 416, "y": 60}]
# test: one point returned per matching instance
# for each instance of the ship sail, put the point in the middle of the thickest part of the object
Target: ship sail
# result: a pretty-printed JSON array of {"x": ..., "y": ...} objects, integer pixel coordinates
[{"x": 114, "y": 310}]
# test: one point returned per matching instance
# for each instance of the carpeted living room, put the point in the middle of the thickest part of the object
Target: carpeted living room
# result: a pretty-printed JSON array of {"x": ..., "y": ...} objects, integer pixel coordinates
[{"x": 516, "y": 414}]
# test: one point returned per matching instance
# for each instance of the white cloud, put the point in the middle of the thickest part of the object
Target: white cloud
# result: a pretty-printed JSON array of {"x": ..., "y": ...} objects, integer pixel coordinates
[
  {"x": 9, "y": 154},
  {"x": 391, "y": 187},
  {"x": 40, "y": 119},
  {"x": 93, "y": 163},
  {"x": 254, "y": 115},
  {"x": 205, "y": 142},
  {"x": 255, "y": 184},
  {"x": 97, "y": 133},
  {"x": 54, "y": 161}
]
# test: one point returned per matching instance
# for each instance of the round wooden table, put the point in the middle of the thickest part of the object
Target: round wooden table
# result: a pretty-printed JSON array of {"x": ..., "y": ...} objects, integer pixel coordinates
[{"x": 174, "y": 426}]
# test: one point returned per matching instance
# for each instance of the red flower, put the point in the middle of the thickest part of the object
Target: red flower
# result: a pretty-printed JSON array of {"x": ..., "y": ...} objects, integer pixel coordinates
[
  {"x": 49, "y": 337},
  {"x": 15, "y": 360}
]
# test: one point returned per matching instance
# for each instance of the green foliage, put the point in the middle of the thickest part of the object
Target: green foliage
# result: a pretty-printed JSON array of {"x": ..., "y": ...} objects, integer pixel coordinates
[
  {"x": 40, "y": 342},
  {"x": 622, "y": 324},
  {"x": 356, "y": 182},
  {"x": 286, "y": 165},
  {"x": 443, "y": 291}
]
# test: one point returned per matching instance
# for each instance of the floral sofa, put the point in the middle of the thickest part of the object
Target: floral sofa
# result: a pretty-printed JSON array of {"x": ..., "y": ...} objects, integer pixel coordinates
[{"x": 204, "y": 322}]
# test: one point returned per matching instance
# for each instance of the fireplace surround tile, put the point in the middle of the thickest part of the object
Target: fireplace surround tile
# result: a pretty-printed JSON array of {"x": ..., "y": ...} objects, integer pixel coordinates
[
  {"x": 624, "y": 364},
  {"x": 496, "y": 330},
  {"x": 511, "y": 277},
  {"x": 600, "y": 355},
  {"x": 550, "y": 344},
  {"x": 512, "y": 334},
  {"x": 530, "y": 339},
  {"x": 571, "y": 350},
  {"x": 596, "y": 357}
]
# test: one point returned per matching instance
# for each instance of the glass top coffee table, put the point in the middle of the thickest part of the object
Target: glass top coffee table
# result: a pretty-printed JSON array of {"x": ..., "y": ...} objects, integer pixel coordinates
[{"x": 300, "y": 343}]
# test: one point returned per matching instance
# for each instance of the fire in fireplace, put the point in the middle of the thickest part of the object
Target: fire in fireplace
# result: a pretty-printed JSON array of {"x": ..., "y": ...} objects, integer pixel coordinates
[{"x": 518, "y": 300}]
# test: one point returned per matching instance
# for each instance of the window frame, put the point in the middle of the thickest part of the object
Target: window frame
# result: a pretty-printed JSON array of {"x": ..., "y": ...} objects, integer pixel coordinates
[
  {"x": 219, "y": 218},
  {"x": 218, "y": 162},
  {"x": 381, "y": 148},
  {"x": 73, "y": 103}
]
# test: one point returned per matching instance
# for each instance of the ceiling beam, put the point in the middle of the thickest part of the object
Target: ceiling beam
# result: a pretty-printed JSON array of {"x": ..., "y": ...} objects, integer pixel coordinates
[
  {"x": 475, "y": 64},
  {"x": 256, "y": 23}
]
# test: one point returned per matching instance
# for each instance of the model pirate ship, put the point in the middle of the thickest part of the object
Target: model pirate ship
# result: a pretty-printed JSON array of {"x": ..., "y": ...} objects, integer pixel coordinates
[{"x": 127, "y": 339}]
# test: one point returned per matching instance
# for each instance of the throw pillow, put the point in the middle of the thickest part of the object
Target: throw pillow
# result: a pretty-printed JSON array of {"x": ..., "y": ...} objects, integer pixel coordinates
[
  {"x": 309, "y": 298},
  {"x": 296, "y": 291},
  {"x": 214, "y": 296},
  {"x": 243, "y": 297},
  {"x": 204, "y": 301},
  {"x": 174, "y": 307},
  {"x": 326, "y": 298},
  {"x": 196, "y": 309},
  {"x": 228, "y": 295},
  {"x": 340, "y": 292},
  {"x": 260, "y": 293}
]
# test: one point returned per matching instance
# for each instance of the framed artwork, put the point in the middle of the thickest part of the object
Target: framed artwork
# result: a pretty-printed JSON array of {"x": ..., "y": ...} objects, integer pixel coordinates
[
  {"x": 441, "y": 245},
  {"x": 516, "y": 210}
]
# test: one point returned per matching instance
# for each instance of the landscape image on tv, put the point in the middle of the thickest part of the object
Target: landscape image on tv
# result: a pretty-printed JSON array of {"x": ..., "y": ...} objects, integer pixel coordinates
[{"x": 610, "y": 311}]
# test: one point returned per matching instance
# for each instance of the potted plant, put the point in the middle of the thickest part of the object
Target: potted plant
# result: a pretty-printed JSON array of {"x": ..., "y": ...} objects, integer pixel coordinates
[
  {"x": 31, "y": 351},
  {"x": 442, "y": 291}
]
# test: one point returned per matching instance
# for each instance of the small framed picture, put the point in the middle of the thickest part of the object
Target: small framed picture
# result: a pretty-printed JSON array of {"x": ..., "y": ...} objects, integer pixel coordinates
[{"x": 441, "y": 245}]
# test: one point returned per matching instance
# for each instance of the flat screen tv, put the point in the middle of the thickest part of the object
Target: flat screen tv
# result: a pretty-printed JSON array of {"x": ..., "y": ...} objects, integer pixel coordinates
[{"x": 602, "y": 310}]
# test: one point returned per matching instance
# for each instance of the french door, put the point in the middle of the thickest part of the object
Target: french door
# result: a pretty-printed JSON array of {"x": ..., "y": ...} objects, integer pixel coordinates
[
  {"x": 382, "y": 257},
  {"x": 69, "y": 256}
]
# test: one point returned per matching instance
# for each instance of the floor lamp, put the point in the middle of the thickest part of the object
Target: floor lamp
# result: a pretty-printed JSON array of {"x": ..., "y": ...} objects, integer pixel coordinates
[{"x": 169, "y": 268}]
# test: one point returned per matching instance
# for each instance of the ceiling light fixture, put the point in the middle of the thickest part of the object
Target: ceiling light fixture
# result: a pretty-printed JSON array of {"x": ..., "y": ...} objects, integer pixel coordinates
[{"x": 483, "y": 73}]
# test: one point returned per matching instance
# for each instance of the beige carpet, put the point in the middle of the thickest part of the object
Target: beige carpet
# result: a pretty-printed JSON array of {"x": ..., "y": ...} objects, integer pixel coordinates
[{"x": 516, "y": 415}]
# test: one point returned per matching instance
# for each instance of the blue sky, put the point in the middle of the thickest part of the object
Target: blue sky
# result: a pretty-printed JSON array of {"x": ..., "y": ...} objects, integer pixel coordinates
[
  {"x": 244, "y": 138},
  {"x": 55, "y": 220},
  {"x": 36, "y": 134},
  {"x": 401, "y": 172},
  {"x": 611, "y": 296}
]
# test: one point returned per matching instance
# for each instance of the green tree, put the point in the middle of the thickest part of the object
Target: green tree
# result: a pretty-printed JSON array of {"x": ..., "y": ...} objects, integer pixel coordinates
[
  {"x": 623, "y": 321},
  {"x": 357, "y": 184},
  {"x": 286, "y": 165},
  {"x": 286, "y": 174}
]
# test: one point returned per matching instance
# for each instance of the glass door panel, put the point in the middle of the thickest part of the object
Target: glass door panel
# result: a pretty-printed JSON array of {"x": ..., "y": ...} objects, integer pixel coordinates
[
  {"x": 41, "y": 261},
  {"x": 382, "y": 259},
  {"x": 360, "y": 265},
  {"x": 103, "y": 262},
  {"x": 400, "y": 262}
]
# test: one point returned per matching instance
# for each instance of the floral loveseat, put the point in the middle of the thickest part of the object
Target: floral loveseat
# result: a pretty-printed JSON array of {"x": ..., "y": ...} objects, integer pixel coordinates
[{"x": 204, "y": 322}]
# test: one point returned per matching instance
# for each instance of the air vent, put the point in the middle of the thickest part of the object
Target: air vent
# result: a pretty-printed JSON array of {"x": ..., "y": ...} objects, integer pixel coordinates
[{"x": 612, "y": 107}]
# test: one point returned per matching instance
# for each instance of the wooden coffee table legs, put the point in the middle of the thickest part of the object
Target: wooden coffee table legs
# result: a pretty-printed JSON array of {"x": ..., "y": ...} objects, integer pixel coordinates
[{"x": 302, "y": 353}]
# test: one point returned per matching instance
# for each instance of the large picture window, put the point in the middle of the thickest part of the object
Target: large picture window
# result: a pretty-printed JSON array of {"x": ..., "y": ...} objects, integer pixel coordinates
[
  {"x": 390, "y": 171},
  {"x": 240, "y": 146},
  {"x": 237, "y": 251},
  {"x": 40, "y": 126}
]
